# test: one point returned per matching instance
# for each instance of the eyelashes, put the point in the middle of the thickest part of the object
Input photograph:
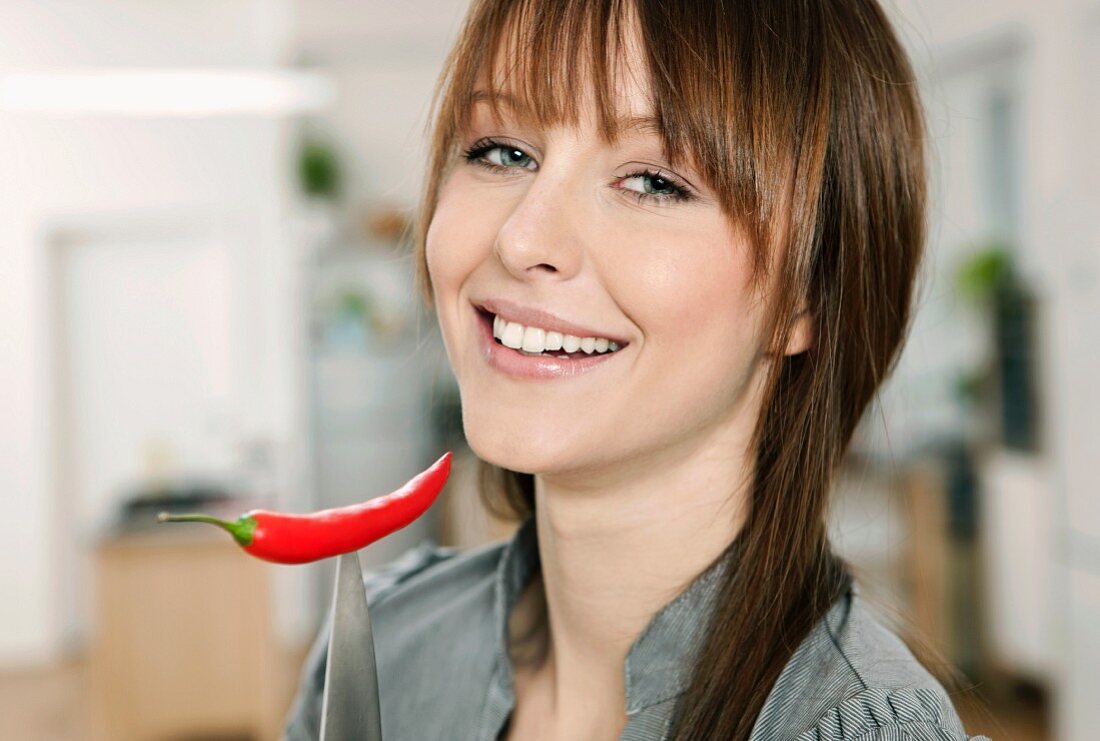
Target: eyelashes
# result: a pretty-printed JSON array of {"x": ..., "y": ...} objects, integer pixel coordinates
[
  {"x": 476, "y": 154},
  {"x": 675, "y": 191}
]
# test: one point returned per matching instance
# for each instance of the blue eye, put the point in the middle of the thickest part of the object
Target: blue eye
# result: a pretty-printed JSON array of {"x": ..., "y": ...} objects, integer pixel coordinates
[
  {"x": 509, "y": 156},
  {"x": 656, "y": 185},
  {"x": 493, "y": 155},
  {"x": 657, "y": 188}
]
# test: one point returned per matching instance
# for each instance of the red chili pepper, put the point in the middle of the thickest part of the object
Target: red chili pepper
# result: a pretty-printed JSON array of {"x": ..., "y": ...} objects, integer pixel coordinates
[{"x": 288, "y": 538}]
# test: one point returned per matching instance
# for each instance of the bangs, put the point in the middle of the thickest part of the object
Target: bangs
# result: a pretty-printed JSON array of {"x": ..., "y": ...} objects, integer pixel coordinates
[
  {"x": 539, "y": 59},
  {"x": 745, "y": 111},
  {"x": 542, "y": 60}
]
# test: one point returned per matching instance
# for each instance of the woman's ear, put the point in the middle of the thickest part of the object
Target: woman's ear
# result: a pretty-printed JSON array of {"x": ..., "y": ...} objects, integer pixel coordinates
[{"x": 802, "y": 334}]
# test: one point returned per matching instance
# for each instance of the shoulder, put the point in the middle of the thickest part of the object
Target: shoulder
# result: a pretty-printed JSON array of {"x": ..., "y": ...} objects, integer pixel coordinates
[
  {"x": 410, "y": 598},
  {"x": 853, "y": 679}
]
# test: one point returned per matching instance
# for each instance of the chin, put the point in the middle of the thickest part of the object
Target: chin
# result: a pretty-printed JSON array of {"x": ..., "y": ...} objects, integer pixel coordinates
[{"x": 521, "y": 448}]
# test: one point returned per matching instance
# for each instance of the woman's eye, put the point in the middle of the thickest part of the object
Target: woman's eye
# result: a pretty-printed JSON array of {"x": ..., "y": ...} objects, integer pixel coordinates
[
  {"x": 646, "y": 186},
  {"x": 496, "y": 156},
  {"x": 652, "y": 184},
  {"x": 655, "y": 188},
  {"x": 508, "y": 157}
]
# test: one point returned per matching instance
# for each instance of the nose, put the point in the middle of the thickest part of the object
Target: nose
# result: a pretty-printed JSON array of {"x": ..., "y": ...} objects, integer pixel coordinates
[{"x": 541, "y": 239}]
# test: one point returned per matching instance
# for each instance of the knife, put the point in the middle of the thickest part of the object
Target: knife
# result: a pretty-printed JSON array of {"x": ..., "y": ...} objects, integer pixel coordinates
[{"x": 349, "y": 705}]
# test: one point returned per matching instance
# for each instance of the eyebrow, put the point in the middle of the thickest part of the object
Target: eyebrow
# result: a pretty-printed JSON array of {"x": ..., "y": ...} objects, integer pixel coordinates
[{"x": 624, "y": 124}]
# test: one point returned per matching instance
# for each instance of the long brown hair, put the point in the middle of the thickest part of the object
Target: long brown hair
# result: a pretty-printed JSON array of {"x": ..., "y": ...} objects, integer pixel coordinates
[{"x": 804, "y": 118}]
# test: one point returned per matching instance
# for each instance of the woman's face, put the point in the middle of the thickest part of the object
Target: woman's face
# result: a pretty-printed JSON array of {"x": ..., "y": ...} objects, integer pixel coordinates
[{"x": 613, "y": 240}]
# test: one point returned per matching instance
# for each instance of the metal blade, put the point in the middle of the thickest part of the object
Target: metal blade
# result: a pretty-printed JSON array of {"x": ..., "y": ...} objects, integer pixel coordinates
[{"x": 349, "y": 709}]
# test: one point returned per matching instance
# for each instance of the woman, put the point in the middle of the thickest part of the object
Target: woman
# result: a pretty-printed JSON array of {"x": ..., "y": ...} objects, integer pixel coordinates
[{"x": 671, "y": 247}]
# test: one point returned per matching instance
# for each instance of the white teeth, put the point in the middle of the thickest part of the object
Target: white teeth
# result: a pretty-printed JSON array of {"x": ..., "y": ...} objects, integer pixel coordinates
[
  {"x": 512, "y": 335},
  {"x": 534, "y": 340}
]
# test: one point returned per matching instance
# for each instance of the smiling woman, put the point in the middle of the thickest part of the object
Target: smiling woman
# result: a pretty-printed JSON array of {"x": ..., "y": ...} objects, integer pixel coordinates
[
  {"x": 586, "y": 215},
  {"x": 672, "y": 248}
]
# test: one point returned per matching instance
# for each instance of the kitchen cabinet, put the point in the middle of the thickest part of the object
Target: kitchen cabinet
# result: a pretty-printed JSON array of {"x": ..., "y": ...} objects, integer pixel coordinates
[{"x": 183, "y": 642}]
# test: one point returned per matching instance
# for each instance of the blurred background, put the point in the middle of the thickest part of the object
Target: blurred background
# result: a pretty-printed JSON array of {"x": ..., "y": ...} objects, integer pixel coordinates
[{"x": 207, "y": 304}]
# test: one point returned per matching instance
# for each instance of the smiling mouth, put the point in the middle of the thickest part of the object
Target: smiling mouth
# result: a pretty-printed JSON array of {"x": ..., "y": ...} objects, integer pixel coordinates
[{"x": 488, "y": 317}]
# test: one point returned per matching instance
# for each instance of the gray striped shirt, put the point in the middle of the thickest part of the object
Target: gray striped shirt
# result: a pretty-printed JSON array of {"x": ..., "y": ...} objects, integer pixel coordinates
[{"x": 440, "y": 621}]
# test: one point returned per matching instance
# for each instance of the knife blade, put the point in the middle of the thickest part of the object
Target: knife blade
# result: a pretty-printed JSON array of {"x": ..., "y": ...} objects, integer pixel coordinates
[{"x": 349, "y": 706}]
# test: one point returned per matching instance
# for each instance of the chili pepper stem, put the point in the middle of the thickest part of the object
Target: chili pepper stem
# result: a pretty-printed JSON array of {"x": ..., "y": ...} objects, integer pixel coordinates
[{"x": 241, "y": 530}]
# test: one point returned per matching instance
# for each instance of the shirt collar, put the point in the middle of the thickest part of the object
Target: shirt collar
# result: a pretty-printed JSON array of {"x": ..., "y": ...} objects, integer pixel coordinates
[{"x": 659, "y": 663}]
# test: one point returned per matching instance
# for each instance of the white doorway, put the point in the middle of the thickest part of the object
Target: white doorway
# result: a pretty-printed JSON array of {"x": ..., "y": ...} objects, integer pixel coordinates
[{"x": 146, "y": 348}]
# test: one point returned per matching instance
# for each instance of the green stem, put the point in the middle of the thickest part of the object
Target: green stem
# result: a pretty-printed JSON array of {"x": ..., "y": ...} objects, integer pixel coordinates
[{"x": 241, "y": 530}]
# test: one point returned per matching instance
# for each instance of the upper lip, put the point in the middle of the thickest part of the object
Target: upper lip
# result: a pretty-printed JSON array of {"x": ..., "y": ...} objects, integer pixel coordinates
[{"x": 532, "y": 317}]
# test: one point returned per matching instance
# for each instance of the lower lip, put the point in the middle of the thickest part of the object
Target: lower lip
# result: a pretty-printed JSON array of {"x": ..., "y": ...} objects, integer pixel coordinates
[{"x": 514, "y": 363}]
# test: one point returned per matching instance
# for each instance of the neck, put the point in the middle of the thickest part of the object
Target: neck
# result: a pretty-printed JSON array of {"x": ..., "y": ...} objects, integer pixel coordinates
[{"x": 615, "y": 550}]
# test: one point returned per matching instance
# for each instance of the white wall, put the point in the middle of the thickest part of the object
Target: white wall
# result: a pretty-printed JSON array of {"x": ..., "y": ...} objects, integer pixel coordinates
[
  {"x": 384, "y": 58},
  {"x": 1055, "y": 47},
  {"x": 104, "y": 171}
]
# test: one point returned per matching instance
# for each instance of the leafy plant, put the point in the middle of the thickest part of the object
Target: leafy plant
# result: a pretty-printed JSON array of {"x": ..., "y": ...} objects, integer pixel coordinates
[
  {"x": 319, "y": 170},
  {"x": 987, "y": 271}
]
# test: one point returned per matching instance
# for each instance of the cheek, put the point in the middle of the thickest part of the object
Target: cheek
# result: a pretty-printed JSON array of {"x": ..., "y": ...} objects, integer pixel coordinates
[
  {"x": 696, "y": 299},
  {"x": 447, "y": 244},
  {"x": 451, "y": 255},
  {"x": 435, "y": 255},
  {"x": 454, "y": 243},
  {"x": 462, "y": 232},
  {"x": 704, "y": 344}
]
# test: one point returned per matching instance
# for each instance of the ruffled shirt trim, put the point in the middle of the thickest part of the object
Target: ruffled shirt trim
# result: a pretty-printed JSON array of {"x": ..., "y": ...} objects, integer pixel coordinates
[{"x": 877, "y": 714}]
